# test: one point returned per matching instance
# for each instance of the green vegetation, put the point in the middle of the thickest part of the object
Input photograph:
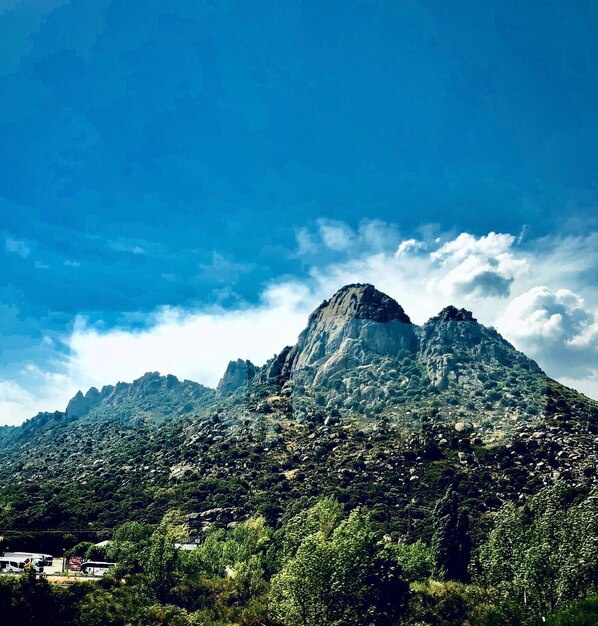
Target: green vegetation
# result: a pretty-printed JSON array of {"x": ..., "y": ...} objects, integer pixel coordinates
[
  {"x": 326, "y": 566},
  {"x": 339, "y": 575},
  {"x": 544, "y": 555}
]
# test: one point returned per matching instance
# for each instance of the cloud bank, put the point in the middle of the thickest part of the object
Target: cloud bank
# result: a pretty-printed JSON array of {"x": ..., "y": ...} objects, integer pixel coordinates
[
  {"x": 540, "y": 294},
  {"x": 561, "y": 329},
  {"x": 486, "y": 266}
]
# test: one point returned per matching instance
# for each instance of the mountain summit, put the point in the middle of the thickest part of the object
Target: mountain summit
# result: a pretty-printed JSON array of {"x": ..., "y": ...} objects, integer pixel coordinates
[
  {"x": 361, "y": 301},
  {"x": 358, "y": 322},
  {"x": 366, "y": 405},
  {"x": 361, "y": 356}
]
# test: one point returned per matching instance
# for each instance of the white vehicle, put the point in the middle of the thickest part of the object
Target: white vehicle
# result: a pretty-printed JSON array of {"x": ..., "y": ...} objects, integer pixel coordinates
[
  {"x": 11, "y": 566},
  {"x": 27, "y": 557},
  {"x": 95, "y": 568},
  {"x": 44, "y": 559}
]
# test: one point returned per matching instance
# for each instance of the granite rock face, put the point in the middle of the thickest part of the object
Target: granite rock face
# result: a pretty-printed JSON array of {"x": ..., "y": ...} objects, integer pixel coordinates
[
  {"x": 150, "y": 397},
  {"x": 238, "y": 373},
  {"x": 357, "y": 323},
  {"x": 453, "y": 344},
  {"x": 451, "y": 313},
  {"x": 81, "y": 404},
  {"x": 360, "y": 301},
  {"x": 360, "y": 355}
]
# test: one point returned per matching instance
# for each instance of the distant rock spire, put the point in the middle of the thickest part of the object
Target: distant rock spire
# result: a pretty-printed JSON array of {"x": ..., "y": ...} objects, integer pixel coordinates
[{"x": 237, "y": 374}]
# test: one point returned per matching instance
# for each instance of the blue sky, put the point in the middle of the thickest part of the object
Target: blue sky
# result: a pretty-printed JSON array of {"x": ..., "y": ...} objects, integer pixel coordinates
[{"x": 164, "y": 161}]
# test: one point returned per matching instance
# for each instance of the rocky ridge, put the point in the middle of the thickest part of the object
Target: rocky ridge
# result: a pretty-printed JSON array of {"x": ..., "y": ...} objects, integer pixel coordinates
[
  {"x": 366, "y": 405},
  {"x": 238, "y": 374},
  {"x": 360, "y": 355}
]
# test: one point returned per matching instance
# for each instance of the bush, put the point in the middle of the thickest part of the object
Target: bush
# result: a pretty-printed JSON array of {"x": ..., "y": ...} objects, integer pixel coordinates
[
  {"x": 583, "y": 613},
  {"x": 416, "y": 560},
  {"x": 455, "y": 604}
]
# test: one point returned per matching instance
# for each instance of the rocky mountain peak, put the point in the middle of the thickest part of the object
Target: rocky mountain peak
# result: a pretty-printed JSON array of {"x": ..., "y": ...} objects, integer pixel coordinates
[
  {"x": 452, "y": 313},
  {"x": 237, "y": 374},
  {"x": 454, "y": 352},
  {"x": 361, "y": 301},
  {"x": 357, "y": 324},
  {"x": 361, "y": 355},
  {"x": 149, "y": 397},
  {"x": 81, "y": 404}
]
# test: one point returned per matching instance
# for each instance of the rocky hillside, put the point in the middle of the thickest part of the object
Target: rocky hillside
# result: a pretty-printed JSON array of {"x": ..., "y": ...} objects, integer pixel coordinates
[
  {"x": 361, "y": 358},
  {"x": 367, "y": 406}
]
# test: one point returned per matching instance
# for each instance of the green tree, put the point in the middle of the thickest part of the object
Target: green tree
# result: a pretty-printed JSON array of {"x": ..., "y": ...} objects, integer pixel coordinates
[
  {"x": 249, "y": 577},
  {"x": 416, "y": 560},
  {"x": 544, "y": 554},
  {"x": 322, "y": 518},
  {"x": 339, "y": 577},
  {"x": 117, "y": 605},
  {"x": 27, "y": 599},
  {"x": 583, "y": 613},
  {"x": 79, "y": 550},
  {"x": 301, "y": 592},
  {"x": 160, "y": 564},
  {"x": 128, "y": 548},
  {"x": 451, "y": 544}
]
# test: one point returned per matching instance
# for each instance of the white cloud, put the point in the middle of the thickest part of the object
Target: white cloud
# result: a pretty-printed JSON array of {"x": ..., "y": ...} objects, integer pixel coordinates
[
  {"x": 42, "y": 391},
  {"x": 332, "y": 239},
  {"x": 556, "y": 327},
  {"x": 306, "y": 243},
  {"x": 409, "y": 245},
  {"x": 190, "y": 344},
  {"x": 376, "y": 235},
  {"x": 541, "y": 314},
  {"x": 466, "y": 245},
  {"x": 336, "y": 235},
  {"x": 485, "y": 266},
  {"x": 16, "y": 403}
]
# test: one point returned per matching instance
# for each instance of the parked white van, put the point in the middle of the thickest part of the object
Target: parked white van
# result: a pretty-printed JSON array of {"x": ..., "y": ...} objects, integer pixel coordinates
[
  {"x": 11, "y": 566},
  {"x": 45, "y": 559},
  {"x": 37, "y": 559}
]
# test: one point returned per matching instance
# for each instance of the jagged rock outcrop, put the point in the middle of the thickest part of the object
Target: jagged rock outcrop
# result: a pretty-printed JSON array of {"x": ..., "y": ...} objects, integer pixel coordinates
[
  {"x": 238, "y": 373},
  {"x": 360, "y": 355},
  {"x": 452, "y": 313},
  {"x": 358, "y": 322},
  {"x": 81, "y": 404},
  {"x": 277, "y": 369},
  {"x": 152, "y": 397},
  {"x": 453, "y": 345}
]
